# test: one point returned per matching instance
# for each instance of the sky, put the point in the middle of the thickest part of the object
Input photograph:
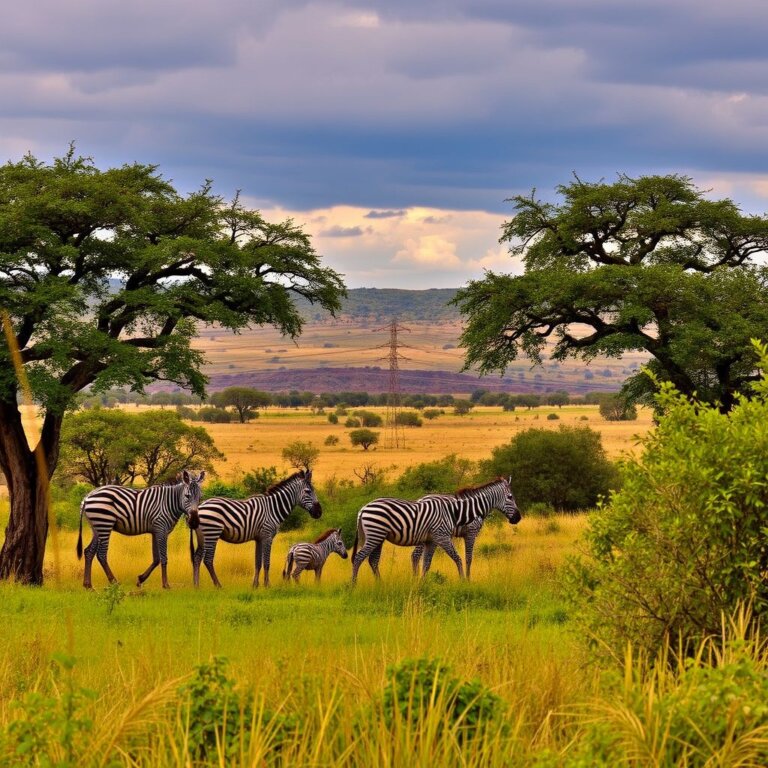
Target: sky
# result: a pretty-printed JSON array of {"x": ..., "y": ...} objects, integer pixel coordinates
[{"x": 394, "y": 132}]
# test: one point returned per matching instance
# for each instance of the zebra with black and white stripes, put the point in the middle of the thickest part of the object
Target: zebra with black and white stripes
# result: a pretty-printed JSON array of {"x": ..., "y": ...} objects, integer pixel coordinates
[
  {"x": 430, "y": 521},
  {"x": 469, "y": 497},
  {"x": 255, "y": 519},
  {"x": 311, "y": 557},
  {"x": 154, "y": 510}
]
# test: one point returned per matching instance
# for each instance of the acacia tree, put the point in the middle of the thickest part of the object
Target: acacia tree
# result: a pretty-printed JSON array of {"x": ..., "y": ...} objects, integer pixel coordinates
[
  {"x": 643, "y": 264},
  {"x": 245, "y": 400},
  {"x": 104, "y": 276}
]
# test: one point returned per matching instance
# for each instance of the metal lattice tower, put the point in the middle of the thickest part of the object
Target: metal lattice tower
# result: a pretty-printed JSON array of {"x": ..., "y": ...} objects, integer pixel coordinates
[{"x": 395, "y": 436}]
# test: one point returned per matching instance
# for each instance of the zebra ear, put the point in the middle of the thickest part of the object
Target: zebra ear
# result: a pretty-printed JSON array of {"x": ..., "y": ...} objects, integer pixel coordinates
[
  {"x": 185, "y": 477},
  {"x": 509, "y": 481},
  {"x": 201, "y": 477},
  {"x": 308, "y": 475}
]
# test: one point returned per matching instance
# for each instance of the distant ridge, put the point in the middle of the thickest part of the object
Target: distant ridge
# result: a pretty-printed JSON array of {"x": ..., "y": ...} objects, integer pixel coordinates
[
  {"x": 373, "y": 380},
  {"x": 382, "y": 304}
]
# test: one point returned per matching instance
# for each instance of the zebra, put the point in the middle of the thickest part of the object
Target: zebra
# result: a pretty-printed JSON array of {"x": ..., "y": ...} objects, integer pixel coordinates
[
  {"x": 430, "y": 520},
  {"x": 255, "y": 519},
  {"x": 469, "y": 532},
  {"x": 311, "y": 557},
  {"x": 129, "y": 511}
]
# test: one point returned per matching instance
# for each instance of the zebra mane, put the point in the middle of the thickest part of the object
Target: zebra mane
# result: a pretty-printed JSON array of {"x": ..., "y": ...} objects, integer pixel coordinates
[
  {"x": 171, "y": 481},
  {"x": 282, "y": 483},
  {"x": 324, "y": 536},
  {"x": 471, "y": 490}
]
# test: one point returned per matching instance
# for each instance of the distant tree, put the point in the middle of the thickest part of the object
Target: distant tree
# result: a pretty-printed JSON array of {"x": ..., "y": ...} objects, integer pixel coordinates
[
  {"x": 646, "y": 263},
  {"x": 104, "y": 447},
  {"x": 301, "y": 455},
  {"x": 559, "y": 398},
  {"x": 352, "y": 422},
  {"x": 363, "y": 437},
  {"x": 333, "y": 418},
  {"x": 214, "y": 415},
  {"x": 528, "y": 400},
  {"x": 245, "y": 400},
  {"x": 331, "y": 440},
  {"x": 462, "y": 407},
  {"x": 408, "y": 419},
  {"x": 614, "y": 407},
  {"x": 431, "y": 413},
  {"x": 368, "y": 418}
]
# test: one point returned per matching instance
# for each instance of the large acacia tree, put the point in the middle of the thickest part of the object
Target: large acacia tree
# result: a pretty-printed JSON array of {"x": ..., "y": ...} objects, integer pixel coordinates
[
  {"x": 105, "y": 276},
  {"x": 645, "y": 264}
]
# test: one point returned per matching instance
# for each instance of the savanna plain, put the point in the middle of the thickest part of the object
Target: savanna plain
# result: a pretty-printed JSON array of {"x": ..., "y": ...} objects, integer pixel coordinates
[{"x": 314, "y": 674}]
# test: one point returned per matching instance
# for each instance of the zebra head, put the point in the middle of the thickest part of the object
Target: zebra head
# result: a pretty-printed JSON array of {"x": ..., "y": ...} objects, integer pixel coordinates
[
  {"x": 509, "y": 505},
  {"x": 191, "y": 495},
  {"x": 307, "y": 497},
  {"x": 338, "y": 544}
]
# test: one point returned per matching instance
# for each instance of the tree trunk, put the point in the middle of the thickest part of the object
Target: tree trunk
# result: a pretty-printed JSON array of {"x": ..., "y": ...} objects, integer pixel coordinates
[
  {"x": 21, "y": 557},
  {"x": 28, "y": 477}
]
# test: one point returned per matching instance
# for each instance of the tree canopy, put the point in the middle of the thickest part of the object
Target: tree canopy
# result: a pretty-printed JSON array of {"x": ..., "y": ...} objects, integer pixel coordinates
[
  {"x": 646, "y": 264},
  {"x": 104, "y": 276}
]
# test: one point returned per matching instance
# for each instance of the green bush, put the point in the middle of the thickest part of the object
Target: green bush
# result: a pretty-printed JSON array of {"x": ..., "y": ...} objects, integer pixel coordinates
[
  {"x": 685, "y": 538},
  {"x": 214, "y": 415},
  {"x": 565, "y": 468},
  {"x": 333, "y": 418},
  {"x": 368, "y": 419},
  {"x": 442, "y": 476},
  {"x": 408, "y": 419},
  {"x": 417, "y": 685},
  {"x": 552, "y": 417},
  {"x": 615, "y": 407}
]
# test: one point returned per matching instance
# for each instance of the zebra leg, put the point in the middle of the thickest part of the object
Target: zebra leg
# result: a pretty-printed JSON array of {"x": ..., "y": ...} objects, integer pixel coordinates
[
  {"x": 209, "y": 551},
  {"x": 446, "y": 543},
  {"x": 297, "y": 572},
  {"x": 429, "y": 553},
  {"x": 90, "y": 553},
  {"x": 373, "y": 560},
  {"x": 101, "y": 554},
  {"x": 162, "y": 549},
  {"x": 266, "y": 553},
  {"x": 155, "y": 562},
  {"x": 362, "y": 554},
  {"x": 469, "y": 548},
  {"x": 197, "y": 558},
  {"x": 415, "y": 559},
  {"x": 258, "y": 563},
  {"x": 318, "y": 574}
]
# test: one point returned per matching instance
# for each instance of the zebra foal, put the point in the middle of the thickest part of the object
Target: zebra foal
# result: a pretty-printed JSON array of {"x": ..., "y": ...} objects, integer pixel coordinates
[
  {"x": 255, "y": 519},
  {"x": 154, "y": 510},
  {"x": 430, "y": 521},
  {"x": 311, "y": 557}
]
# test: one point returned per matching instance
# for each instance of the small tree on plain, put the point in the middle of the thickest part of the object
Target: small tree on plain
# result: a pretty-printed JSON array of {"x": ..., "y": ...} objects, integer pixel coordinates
[
  {"x": 245, "y": 400},
  {"x": 364, "y": 438},
  {"x": 301, "y": 455},
  {"x": 614, "y": 407}
]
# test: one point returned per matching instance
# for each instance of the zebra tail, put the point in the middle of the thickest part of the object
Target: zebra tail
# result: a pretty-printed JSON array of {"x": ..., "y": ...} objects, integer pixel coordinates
[
  {"x": 288, "y": 566},
  {"x": 192, "y": 544},
  {"x": 354, "y": 546},
  {"x": 80, "y": 535}
]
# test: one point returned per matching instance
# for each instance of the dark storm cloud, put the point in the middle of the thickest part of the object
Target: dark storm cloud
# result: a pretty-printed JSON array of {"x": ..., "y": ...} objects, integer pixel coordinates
[
  {"x": 451, "y": 104},
  {"x": 384, "y": 214}
]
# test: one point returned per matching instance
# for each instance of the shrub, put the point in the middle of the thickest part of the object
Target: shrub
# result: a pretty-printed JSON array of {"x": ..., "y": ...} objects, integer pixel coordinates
[
  {"x": 552, "y": 417},
  {"x": 614, "y": 407},
  {"x": 566, "y": 468},
  {"x": 418, "y": 685},
  {"x": 331, "y": 440},
  {"x": 333, "y": 418},
  {"x": 352, "y": 423},
  {"x": 215, "y": 415},
  {"x": 258, "y": 480},
  {"x": 432, "y": 413},
  {"x": 684, "y": 540},
  {"x": 368, "y": 419},
  {"x": 408, "y": 419},
  {"x": 441, "y": 476},
  {"x": 301, "y": 455}
]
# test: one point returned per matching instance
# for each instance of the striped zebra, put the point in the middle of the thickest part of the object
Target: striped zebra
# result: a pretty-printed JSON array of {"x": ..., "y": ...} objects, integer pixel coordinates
[
  {"x": 311, "y": 557},
  {"x": 255, "y": 519},
  {"x": 469, "y": 532},
  {"x": 430, "y": 521},
  {"x": 154, "y": 510}
]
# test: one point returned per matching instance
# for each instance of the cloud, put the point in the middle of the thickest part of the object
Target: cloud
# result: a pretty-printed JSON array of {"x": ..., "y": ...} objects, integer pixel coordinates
[
  {"x": 429, "y": 250},
  {"x": 384, "y": 214},
  {"x": 337, "y": 231}
]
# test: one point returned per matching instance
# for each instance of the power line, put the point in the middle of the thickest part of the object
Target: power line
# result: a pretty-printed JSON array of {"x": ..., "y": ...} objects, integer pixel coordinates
[{"x": 395, "y": 429}]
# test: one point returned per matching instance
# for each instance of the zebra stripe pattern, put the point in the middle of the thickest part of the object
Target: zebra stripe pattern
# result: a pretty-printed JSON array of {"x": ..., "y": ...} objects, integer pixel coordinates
[
  {"x": 429, "y": 521},
  {"x": 255, "y": 519},
  {"x": 154, "y": 510},
  {"x": 477, "y": 498},
  {"x": 311, "y": 557}
]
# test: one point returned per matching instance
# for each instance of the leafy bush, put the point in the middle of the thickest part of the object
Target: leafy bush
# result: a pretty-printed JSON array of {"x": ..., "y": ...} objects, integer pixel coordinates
[
  {"x": 364, "y": 438},
  {"x": 215, "y": 415},
  {"x": 442, "y": 476},
  {"x": 301, "y": 455},
  {"x": 418, "y": 685},
  {"x": 408, "y": 419},
  {"x": 615, "y": 407},
  {"x": 685, "y": 538},
  {"x": 368, "y": 419},
  {"x": 331, "y": 440},
  {"x": 333, "y": 418},
  {"x": 565, "y": 468},
  {"x": 432, "y": 413},
  {"x": 259, "y": 479},
  {"x": 352, "y": 423},
  {"x": 552, "y": 417}
]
